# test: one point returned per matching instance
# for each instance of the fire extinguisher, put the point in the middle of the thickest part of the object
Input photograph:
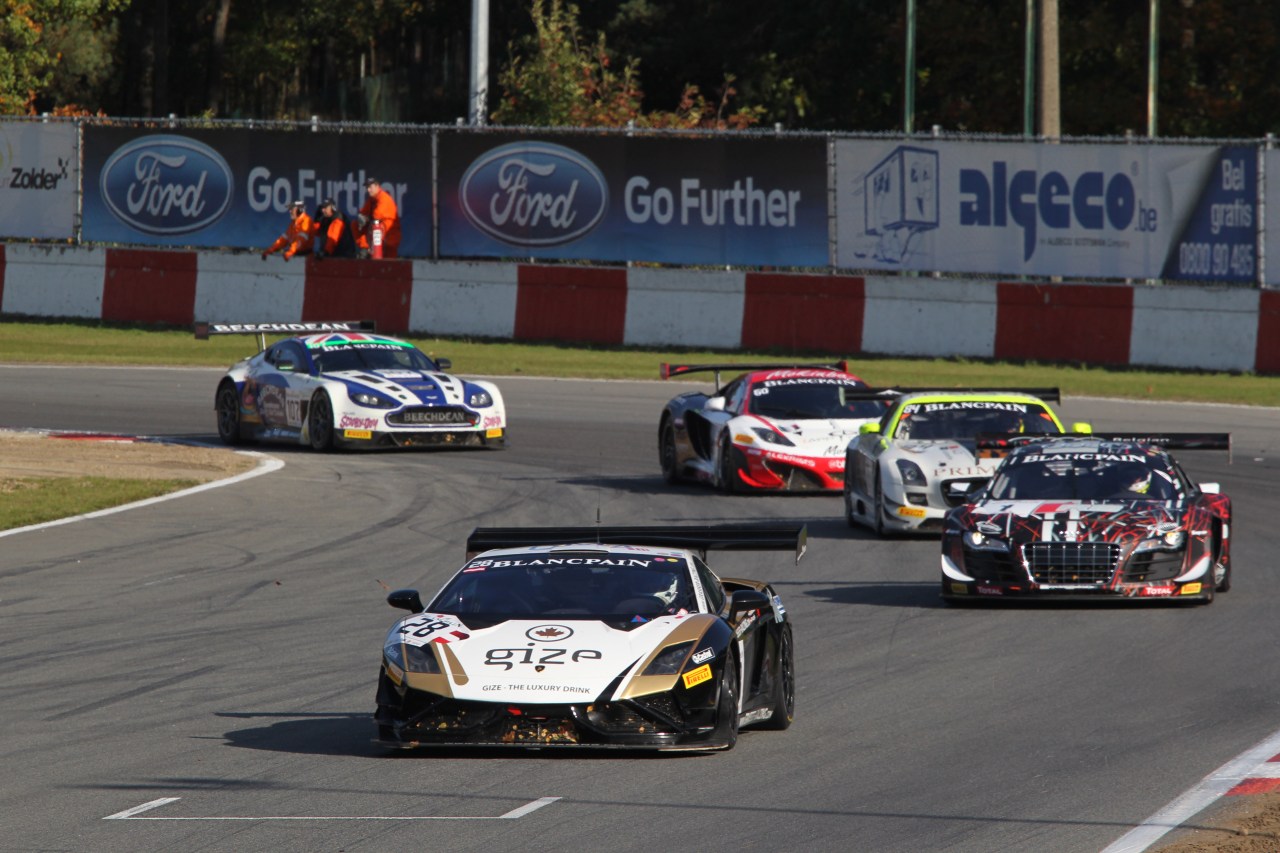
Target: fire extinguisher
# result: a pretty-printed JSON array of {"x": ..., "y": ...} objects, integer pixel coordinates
[{"x": 376, "y": 251}]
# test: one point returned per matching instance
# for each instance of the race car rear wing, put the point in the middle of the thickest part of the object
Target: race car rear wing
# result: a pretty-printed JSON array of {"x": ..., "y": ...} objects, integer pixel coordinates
[
  {"x": 1052, "y": 395},
  {"x": 668, "y": 371},
  {"x": 204, "y": 330},
  {"x": 998, "y": 444},
  {"x": 704, "y": 538}
]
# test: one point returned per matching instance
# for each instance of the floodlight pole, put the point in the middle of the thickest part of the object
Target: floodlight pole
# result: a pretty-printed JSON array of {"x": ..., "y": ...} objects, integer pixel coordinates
[
  {"x": 1153, "y": 67},
  {"x": 909, "y": 81}
]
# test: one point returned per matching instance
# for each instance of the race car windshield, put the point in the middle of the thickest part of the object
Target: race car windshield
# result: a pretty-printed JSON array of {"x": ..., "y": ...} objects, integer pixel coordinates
[
  {"x": 371, "y": 357},
  {"x": 966, "y": 419},
  {"x": 1083, "y": 478},
  {"x": 814, "y": 399},
  {"x": 606, "y": 586}
]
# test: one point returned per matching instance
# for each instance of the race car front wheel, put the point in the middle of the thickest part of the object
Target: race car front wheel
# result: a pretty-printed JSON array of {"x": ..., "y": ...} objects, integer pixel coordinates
[
  {"x": 320, "y": 422},
  {"x": 667, "y": 453},
  {"x": 878, "y": 507},
  {"x": 727, "y": 709},
  {"x": 227, "y": 406},
  {"x": 728, "y": 466}
]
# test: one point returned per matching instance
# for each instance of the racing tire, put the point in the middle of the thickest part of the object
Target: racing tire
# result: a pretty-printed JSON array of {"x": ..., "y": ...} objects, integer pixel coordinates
[
  {"x": 1221, "y": 572},
  {"x": 877, "y": 507},
  {"x": 784, "y": 686},
  {"x": 320, "y": 422},
  {"x": 848, "y": 508},
  {"x": 667, "y": 453},
  {"x": 728, "y": 472},
  {"x": 727, "y": 707},
  {"x": 227, "y": 406}
]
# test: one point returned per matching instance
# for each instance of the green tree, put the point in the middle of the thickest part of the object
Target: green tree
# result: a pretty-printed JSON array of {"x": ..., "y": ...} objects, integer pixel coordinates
[
  {"x": 33, "y": 34},
  {"x": 559, "y": 77}
]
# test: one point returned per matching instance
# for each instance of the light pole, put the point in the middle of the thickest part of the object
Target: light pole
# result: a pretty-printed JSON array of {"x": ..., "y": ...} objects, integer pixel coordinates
[
  {"x": 1153, "y": 62},
  {"x": 479, "y": 60},
  {"x": 909, "y": 83}
]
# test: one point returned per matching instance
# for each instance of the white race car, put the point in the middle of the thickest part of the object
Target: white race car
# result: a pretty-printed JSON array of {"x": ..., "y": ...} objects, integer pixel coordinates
[
  {"x": 340, "y": 385},
  {"x": 774, "y": 428},
  {"x": 904, "y": 472}
]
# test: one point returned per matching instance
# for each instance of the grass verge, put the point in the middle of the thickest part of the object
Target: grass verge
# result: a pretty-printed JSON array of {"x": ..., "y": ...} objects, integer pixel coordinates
[
  {"x": 34, "y": 500},
  {"x": 94, "y": 342}
]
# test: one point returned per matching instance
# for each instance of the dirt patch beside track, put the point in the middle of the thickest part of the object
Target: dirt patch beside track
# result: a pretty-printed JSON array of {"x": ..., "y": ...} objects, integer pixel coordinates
[{"x": 34, "y": 454}]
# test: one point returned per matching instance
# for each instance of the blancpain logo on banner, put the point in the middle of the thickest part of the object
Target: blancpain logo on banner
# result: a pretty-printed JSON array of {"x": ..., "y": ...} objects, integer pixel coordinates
[
  {"x": 534, "y": 194},
  {"x": 166, "y": 185}
]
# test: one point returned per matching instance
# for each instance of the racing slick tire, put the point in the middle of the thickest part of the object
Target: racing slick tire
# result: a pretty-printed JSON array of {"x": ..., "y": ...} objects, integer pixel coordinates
[
  {"x": 227, "y": 406},
  {"x": 667, "y": 453},
  {"x": 727, "y": 708},
  {"x": 320, "y": 422},
  {"x": 877, "y": 507},
  {"x": 848, "y": 508},
  {"x": 727, "y": 471},
  {"x": 1221, "y": 572},
  {"x": 784, "y": 687}
]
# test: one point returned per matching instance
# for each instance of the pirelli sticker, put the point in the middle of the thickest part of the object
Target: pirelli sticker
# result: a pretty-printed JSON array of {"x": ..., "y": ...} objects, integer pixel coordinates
[
  {"x": 695, "y": 677},
  {"x": 357, "y": 433},
  {"x": 1191, "y": 589}
]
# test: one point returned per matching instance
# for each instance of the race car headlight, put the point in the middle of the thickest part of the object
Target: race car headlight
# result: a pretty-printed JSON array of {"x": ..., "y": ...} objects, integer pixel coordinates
[
  {"x": 669, "y": 660},
  {"x": 412, "y": 658},
  {"x": 911, "y": 474},
  {"x": 480, "y": 399},
  {"x": 373, "y": 401},
  {"x": 1171, "y": 541},
  {"x": 980, "y": 542},
  {"x": 770, "y": 437}
]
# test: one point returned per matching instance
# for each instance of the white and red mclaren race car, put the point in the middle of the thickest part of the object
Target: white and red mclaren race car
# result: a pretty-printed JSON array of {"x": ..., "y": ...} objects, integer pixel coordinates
[{"x": 777, "y": 427}]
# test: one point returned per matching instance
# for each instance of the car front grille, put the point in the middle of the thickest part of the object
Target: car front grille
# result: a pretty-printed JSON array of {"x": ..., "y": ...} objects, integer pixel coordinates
[
  {"x": 433, "y": 416},
  {"x": 993, "y": 566},
  {"x": 1154, "y": 566},
  {"x": 1072, "y": 562}
]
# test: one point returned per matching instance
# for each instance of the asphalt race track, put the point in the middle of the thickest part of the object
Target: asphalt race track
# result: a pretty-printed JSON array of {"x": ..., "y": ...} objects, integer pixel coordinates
[{"x": 213, "y": 659}]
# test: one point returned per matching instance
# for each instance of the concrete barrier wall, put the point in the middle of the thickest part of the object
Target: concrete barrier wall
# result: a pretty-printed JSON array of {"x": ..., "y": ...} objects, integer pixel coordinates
[{"x": 1165, "y": 326}]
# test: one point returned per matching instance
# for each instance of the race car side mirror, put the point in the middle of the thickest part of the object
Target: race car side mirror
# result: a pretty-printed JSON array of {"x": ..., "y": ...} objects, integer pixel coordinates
[
  {"x": 747, "y": 599},
  {"x": 869, "y": 428},
  {"x": 406, "y": 599},
  {"x": 444, "y": 363},
  {"x": 1082, "y": 428},
  {"x": 715, "y": 404},
  {"x": 1210, "y": 488}
]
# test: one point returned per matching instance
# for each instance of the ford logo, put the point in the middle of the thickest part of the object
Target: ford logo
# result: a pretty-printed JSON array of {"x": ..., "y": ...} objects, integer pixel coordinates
[
  {"x": 166, "y": 185},
  {"x": 534, "y": 194}
]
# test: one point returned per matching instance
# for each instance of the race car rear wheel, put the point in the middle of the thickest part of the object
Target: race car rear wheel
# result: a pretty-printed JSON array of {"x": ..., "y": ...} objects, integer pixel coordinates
[
  {"x": 320, "y": 422},
  {"x": 667, "y": 453},
  {"x": 784, "y": 686},
  {"x": 727, "y": 709},
  {"x": 227, "y": 406},
  {"x": 848, "y": 508},
  {"x": 728, "y": 471}
]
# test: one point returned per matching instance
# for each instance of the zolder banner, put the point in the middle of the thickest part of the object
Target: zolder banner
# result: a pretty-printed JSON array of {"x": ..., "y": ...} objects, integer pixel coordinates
[
  {"x": 687, "y": 200},
  {"x": 1078, "y": 211},
  {"x": 38, "y": 178},
  {"x": 232, "y": 188}
]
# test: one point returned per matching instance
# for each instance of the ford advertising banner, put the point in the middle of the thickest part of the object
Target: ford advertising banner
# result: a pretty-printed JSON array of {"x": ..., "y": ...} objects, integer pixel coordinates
[
  {"x": 38, "y": 178},
  {"x": 232, "y": 187},
  {"x": 1107, "y": 211},
  {"x": 1271, "y": 164},
  {"x": 614, "y": 198}
]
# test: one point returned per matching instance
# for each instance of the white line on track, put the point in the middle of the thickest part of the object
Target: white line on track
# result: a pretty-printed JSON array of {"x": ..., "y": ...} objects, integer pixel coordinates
[
  {"x": 266, "y": 464},
  {"x": 514, "y": 814},
  {"x": 1252, "y": 763}
]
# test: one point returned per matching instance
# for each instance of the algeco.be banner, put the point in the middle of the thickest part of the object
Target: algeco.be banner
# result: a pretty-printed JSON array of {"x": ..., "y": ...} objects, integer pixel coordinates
[{"x": 692, "y": 201}]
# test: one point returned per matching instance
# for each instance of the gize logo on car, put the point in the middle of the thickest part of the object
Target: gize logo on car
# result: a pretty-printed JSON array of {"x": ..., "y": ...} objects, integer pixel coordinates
[
  {"x": 534, "y": 194},
  {"x": 166, "y": 185}
]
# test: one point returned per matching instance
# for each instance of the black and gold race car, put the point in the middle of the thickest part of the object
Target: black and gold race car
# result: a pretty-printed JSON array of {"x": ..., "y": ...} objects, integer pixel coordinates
[{"x": 591, "y": 637}]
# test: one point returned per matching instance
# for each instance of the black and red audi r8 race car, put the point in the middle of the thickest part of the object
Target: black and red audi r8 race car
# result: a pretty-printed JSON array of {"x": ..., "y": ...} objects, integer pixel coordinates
[
  {"x": 777, "y": 427},
  {"x": 1090, "y": 517}
]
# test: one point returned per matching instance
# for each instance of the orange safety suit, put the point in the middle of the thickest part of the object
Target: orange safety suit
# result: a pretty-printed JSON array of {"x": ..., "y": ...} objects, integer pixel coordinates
[
  {"x": 335, "y": 236},
  {"x": 381, "y": 208},
  {"x": 296, "y": 240}
]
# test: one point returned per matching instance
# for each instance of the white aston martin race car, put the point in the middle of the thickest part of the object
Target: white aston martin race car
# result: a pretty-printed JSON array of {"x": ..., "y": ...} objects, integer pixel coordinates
[
  {"x": 337, "y": 384},
  {"x": 905, "y": 471}
]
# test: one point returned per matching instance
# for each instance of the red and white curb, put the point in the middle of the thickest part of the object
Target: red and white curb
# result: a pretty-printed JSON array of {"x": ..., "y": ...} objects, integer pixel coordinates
[{"x": 1254, "y": 771}]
